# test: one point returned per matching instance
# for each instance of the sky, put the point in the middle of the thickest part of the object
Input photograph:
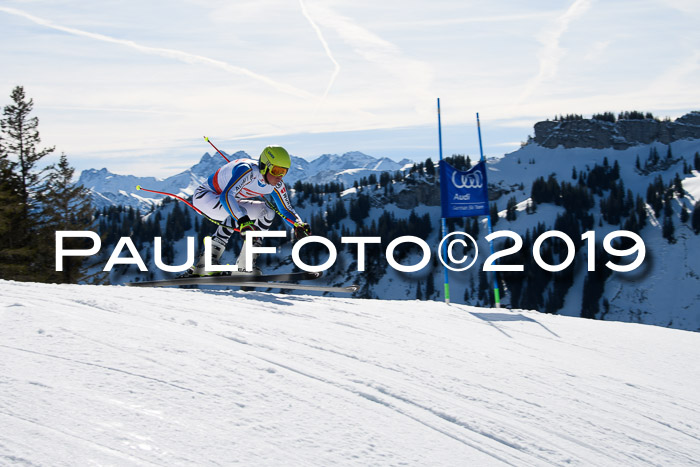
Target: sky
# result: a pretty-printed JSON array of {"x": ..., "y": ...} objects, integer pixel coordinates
[{"x": 134, "y": 86}]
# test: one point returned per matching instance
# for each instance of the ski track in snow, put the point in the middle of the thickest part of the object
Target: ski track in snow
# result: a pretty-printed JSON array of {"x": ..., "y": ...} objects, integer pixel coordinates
[{"x": 95, "y": 375}]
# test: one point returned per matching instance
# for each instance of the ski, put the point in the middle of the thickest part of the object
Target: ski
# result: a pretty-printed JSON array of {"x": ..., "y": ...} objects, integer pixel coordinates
[
  {"x": 234, "y": 279},
  {"x": 290, "y": 286}
]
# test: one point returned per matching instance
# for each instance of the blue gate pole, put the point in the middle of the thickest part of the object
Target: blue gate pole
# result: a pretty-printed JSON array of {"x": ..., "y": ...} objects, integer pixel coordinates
[
  {"x": 496, "y": 291},
  {"x": 443, "y": 222}
]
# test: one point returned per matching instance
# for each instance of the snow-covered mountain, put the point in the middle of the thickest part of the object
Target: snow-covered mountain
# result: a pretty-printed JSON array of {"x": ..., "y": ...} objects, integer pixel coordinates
[
  {"x": 109, "y": 189},
  {"x": 346, "y": 169},
  {"x": 664, "y": 291},
  {"x": 105, "y": 375}
]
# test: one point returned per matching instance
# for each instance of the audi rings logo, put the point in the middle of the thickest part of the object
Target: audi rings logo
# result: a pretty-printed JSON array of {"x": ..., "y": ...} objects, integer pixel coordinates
[{"x": 472, "y": 180}]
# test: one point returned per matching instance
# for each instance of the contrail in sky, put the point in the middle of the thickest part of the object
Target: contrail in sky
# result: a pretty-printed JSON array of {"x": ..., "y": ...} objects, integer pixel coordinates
[
  {"x": 168, "y": 53},
  {"x": 551, "y": 54},
  {"x": 325, "y": 46}
]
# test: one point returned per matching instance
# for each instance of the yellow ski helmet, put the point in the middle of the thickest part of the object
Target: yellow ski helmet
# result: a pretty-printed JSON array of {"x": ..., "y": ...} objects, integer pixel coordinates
[{"x": 276, "y": 160}]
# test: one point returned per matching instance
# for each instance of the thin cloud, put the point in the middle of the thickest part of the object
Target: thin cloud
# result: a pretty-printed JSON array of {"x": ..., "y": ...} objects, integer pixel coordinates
[
  {"x": 415, "y": 77},
  {"x": 113, "y": 109},
  {"x": 685, "y": 6},
  {"x": 465, "y": 20},
  {"x": 552, "y": 53},
  {"x": 168, "y": 53},
  {"x": 689, "y": 66},
  {"x": 325, "y": 47}
]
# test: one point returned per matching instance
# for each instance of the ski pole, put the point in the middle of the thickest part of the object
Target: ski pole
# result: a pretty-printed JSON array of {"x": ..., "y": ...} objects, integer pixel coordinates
[
  {"x": 217, "y": 149},
  {"x": 140, "y": 188},
  {"x": 274, "y": 208}
]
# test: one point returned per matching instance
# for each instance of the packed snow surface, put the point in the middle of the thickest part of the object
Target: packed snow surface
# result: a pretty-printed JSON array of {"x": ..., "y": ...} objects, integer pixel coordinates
[{"x": 106, "y": 375}]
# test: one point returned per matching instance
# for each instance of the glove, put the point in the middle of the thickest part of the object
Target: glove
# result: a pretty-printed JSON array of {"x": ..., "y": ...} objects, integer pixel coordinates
[
  {"x": 301, "y": 231},
  {"x": 246, "y": 225}
]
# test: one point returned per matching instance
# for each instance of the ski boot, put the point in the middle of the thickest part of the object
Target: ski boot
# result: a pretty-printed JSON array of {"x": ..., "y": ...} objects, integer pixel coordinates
[
  {"x": 197, "y": 270},
  {"x": 240, "y": 262}
]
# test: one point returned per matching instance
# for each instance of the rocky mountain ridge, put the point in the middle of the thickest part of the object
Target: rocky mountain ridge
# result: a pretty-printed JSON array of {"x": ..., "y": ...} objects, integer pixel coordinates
[{"x": 621, "y": 134}]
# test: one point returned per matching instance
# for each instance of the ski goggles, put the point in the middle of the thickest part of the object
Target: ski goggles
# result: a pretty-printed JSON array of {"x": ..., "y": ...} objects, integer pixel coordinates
[{"x": 277, "y": 171}]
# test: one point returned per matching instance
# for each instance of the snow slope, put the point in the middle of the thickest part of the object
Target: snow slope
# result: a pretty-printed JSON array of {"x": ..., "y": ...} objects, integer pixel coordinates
[{"x": 106, "y": 375}]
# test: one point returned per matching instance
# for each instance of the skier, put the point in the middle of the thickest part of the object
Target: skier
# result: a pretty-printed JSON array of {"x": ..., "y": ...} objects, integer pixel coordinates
[{"x": 229, "y": 195}]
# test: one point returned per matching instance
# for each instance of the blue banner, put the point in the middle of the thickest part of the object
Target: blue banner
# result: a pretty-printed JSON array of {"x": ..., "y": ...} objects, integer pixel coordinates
[{"x": 464, "y": 194}]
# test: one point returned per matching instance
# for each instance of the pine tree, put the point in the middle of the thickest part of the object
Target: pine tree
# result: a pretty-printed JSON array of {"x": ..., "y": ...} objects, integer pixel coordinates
[
  {"x": 668, "y": 230},
  {"x": 678, "y": 186},
  {"x": 20, "y": 136},
  {"x": 493, "y": 212},
  {"x": 429, "y": 287},
  {"x": 64, "y": 206},
  {"x": 594, "y": 285},
  {"x": 19, "y": 214},
  {"x": 695, "y": 218},
  {"x": 511, "y": 213},
  {"x": 430, "y": 167},
  {"x": 10, "y": 216}
]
